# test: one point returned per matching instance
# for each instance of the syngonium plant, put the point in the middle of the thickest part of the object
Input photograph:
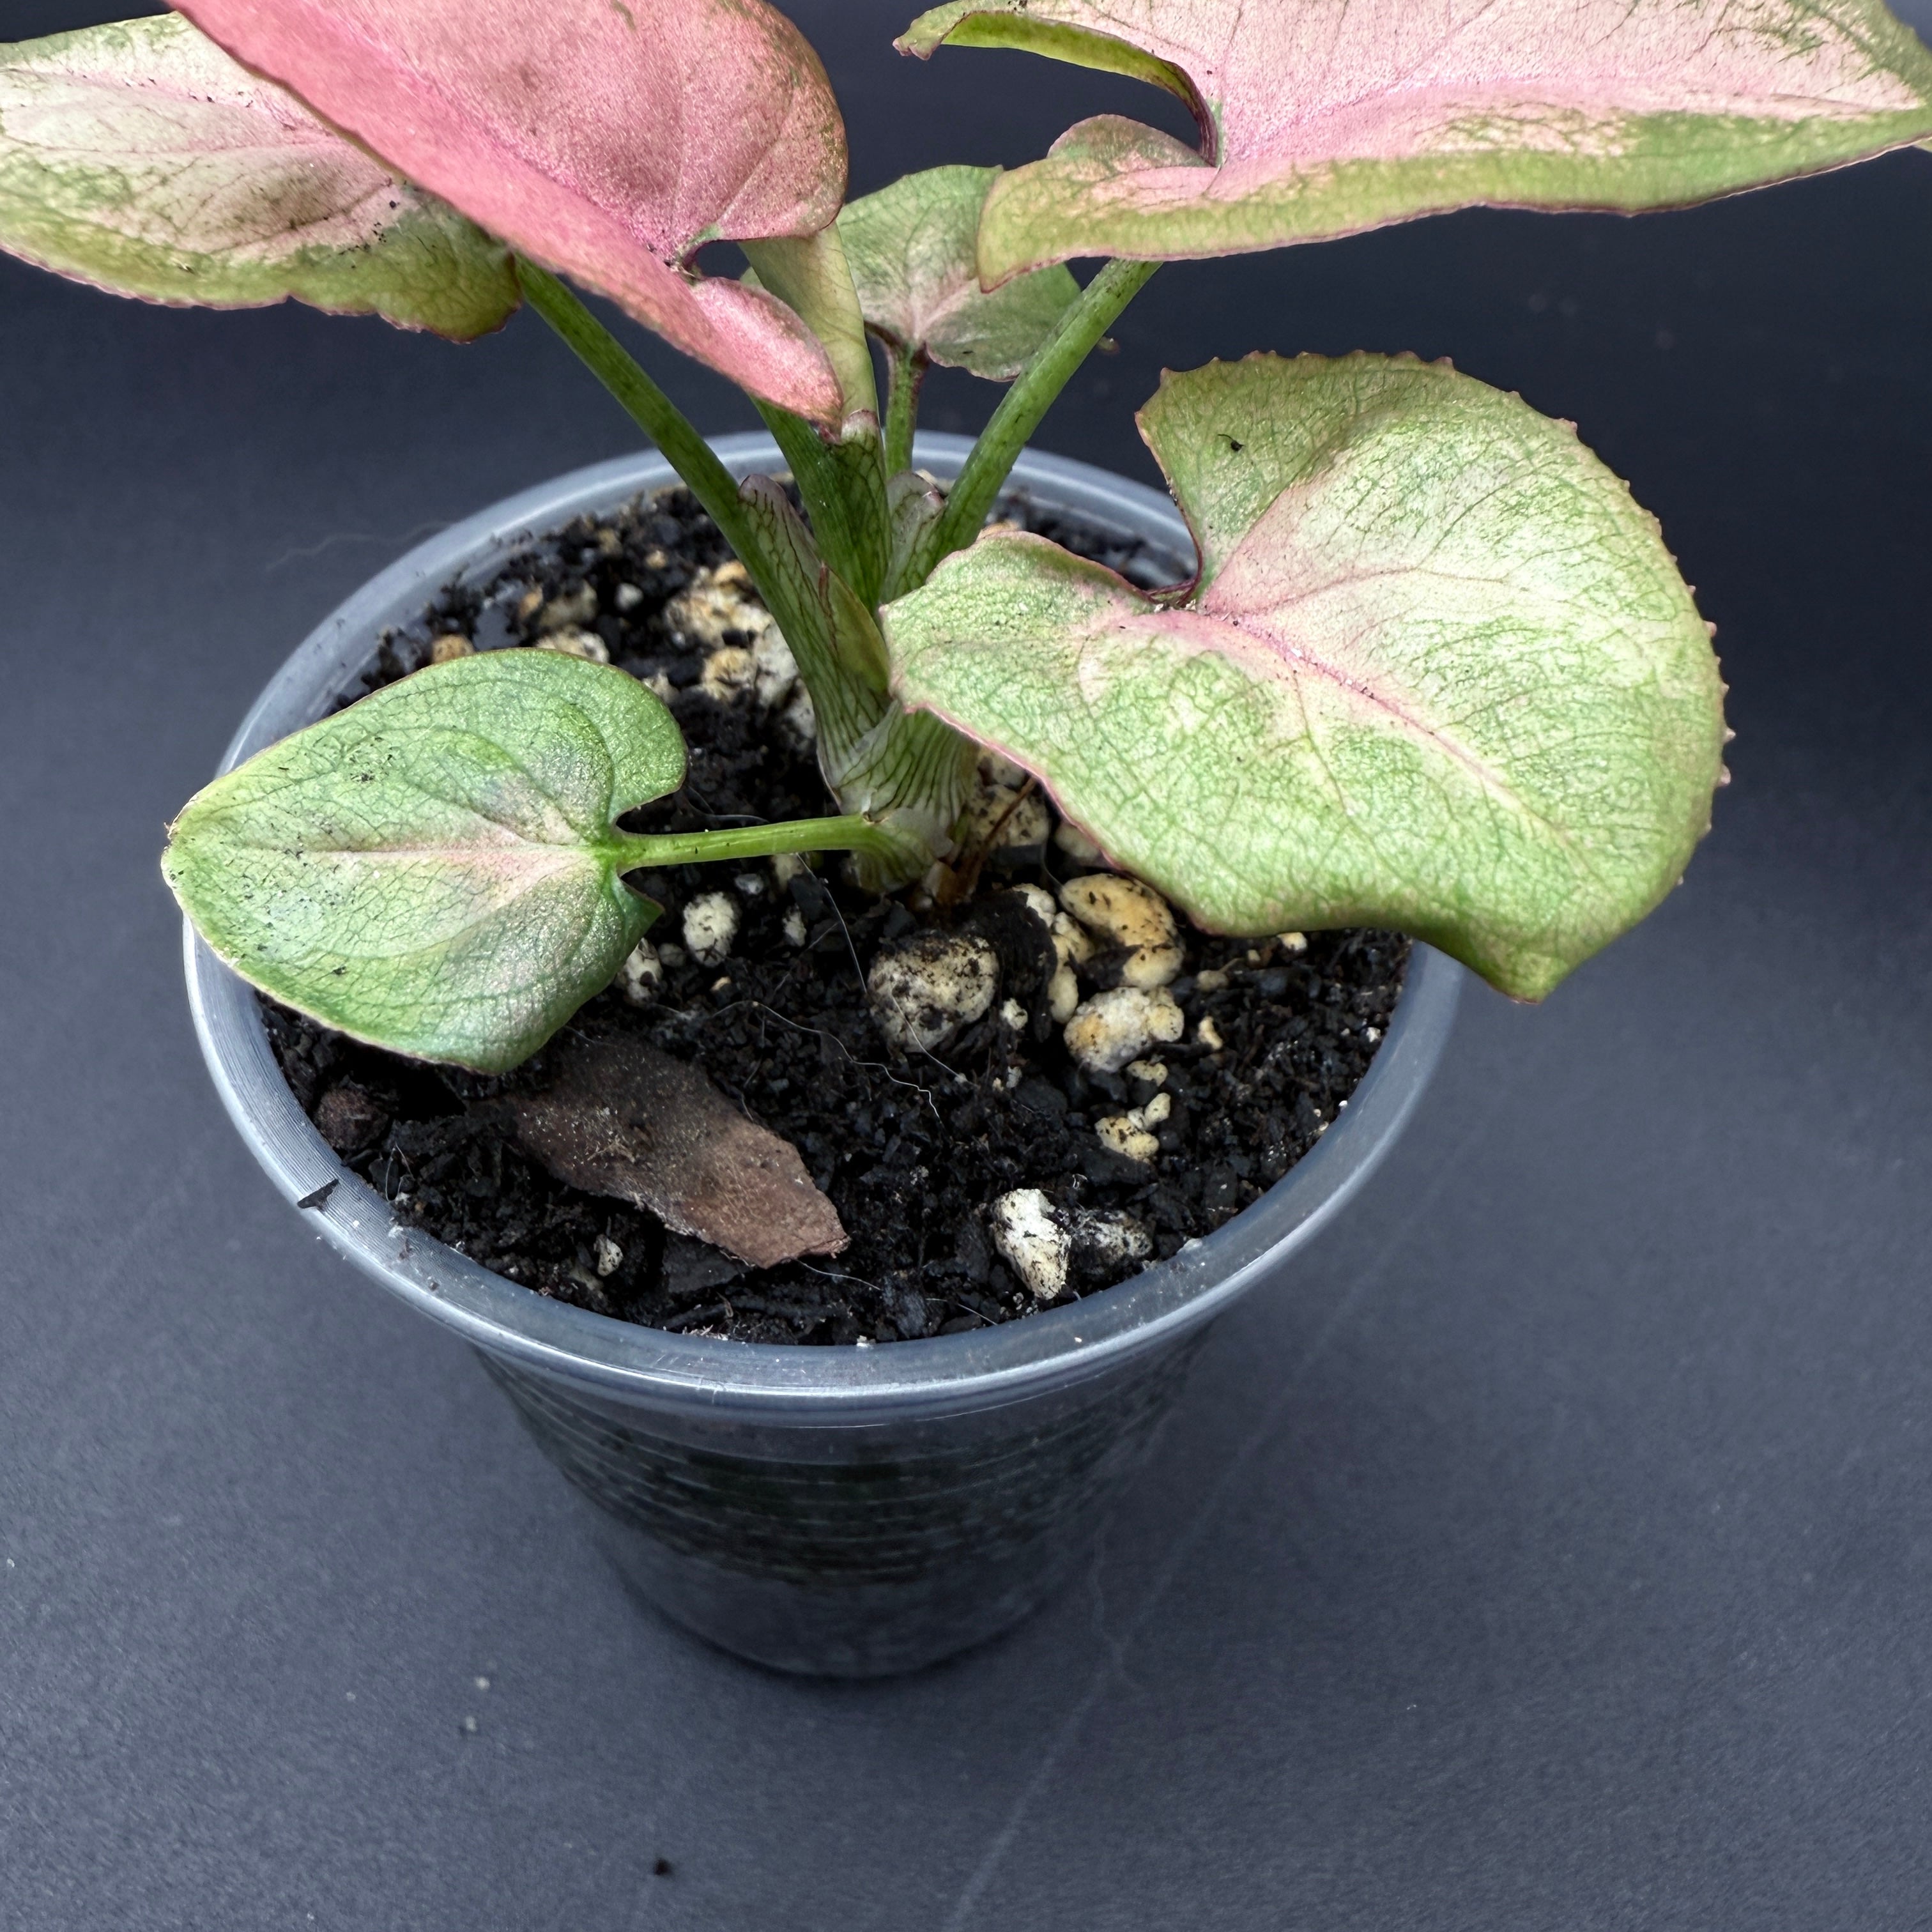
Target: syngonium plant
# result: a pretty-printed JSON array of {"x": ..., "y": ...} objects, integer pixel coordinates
[{"x": 1435, "y": 671}]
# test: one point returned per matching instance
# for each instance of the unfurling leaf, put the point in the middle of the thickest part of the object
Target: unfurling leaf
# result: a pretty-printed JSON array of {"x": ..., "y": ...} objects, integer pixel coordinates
[
  {"x": 914, "y": 504},
  {"x": 435, "y": 870},
  {"x": 605, "y": 139},
  {"x": 1327, "y": 117},
  {"x": 139, "y": 157},
  {"x": 1438, "y": 673},
  {"x": 912, "y": 247},
  {"x": 811, "y": 275},
  {"x": 618, "y": 1116}
]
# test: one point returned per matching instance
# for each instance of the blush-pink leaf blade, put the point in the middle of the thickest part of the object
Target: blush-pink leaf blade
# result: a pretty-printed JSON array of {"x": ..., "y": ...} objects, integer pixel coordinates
[{"x": 604, "y": 140}]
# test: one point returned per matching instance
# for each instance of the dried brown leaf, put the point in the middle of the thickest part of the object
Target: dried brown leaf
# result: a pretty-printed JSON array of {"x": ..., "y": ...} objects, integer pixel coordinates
[{"x": 618, "y": 1116}]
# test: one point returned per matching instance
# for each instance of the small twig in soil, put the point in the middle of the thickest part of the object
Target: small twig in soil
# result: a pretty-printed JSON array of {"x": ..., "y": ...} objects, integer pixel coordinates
[
  {"x": 833, "y": 1274},
  {"x": 693, "y": 1317},
  {"x": 965, "y": 878}
]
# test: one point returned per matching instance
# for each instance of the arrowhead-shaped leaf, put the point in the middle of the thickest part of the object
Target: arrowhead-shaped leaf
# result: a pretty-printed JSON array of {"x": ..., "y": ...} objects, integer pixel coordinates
[
  {"x": 912, "y": 249},
  {"x": 1439, "y": 673},
  {"x": 1327, "y": 117},
  {"x": 435, "y": 869},
  {"x": 139, "y": 157},
  {"x": 605, "y": 139}
]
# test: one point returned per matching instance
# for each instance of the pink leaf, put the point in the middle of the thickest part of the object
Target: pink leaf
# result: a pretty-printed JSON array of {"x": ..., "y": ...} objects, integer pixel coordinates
[
  {"x": 605, "y": 139},
  {"x": 1325, "y": 117}
]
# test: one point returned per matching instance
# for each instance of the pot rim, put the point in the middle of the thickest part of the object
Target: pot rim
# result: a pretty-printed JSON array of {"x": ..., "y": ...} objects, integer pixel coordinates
[{"x": 651, "y": 1367}]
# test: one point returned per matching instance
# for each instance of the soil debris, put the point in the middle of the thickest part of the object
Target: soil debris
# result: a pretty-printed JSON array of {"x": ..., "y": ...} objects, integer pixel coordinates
[{"x": 616, "y": 1116}]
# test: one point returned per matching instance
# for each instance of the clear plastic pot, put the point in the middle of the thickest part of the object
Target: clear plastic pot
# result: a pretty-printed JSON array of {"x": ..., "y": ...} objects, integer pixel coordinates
[{"x": 843, "y": 1511}]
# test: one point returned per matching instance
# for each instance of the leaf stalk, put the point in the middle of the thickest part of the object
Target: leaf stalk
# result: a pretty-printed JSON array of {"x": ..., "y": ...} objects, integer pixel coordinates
[
  {"x": 905, "y": 374},
  {"x": 1031, "y": 395},
  {"x": 637, "y": 851}
]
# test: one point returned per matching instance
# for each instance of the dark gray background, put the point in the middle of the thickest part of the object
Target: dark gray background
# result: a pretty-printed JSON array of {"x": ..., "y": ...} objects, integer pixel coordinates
[{"x": 1553, "y": 1551}]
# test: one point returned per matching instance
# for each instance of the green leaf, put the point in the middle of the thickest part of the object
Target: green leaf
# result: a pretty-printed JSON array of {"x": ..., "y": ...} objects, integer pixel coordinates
[
  {"x": 139, "y": 157},
  {"x": 911, "y": 247},
  {"x": 435, "y": 870},
  {"x": 1439, "y": 673},
  {"x": 809, "y": 273},
  {"x": 1322, "y": 117}
]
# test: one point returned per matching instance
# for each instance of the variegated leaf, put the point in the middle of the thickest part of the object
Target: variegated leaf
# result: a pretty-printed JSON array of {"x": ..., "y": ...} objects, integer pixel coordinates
[
  {"x": 435, "y": 869},
  {"x": 605, "y": 139},
  {"x": 1439, "y": 673},
  {"x": 140, "y": 157},
  {"x": 1325, "y": 117},
  {"x": 912, "y": 247}
]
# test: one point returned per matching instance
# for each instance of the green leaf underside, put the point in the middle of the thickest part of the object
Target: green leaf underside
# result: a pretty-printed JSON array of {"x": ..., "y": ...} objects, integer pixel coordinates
[
  {"x": 811, "y": 275},
  {"x": 139, "y": 157},
  {"x": 435, "y": 869},
  {"x": 971, "y": 23},
  {"x": 1327, "y": 118},
  {"x": 911, "y": 247},
  {"x": 1439, "y": 674}
]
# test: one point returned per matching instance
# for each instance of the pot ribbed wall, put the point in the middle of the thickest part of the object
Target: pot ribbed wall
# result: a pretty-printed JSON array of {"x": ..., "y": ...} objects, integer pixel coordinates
[{"x": 855, "y": 1552}]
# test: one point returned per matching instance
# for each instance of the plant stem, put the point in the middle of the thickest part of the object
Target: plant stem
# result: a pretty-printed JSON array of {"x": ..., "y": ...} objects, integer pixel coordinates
[
  {"x": 906, "y": 371},
  {"x": 842, "y": 485},
  {"x": 654, "y": 412},
  {"x": 1031, "y": 395},
  {"x": 913, "y": 774},
  {"x": 785, "y": 563},
  {"x": 638, "y": 850}
]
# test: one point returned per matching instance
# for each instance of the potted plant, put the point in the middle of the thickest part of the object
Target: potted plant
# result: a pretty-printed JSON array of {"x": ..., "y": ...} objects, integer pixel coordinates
[{"x": 1413, "y": 664}]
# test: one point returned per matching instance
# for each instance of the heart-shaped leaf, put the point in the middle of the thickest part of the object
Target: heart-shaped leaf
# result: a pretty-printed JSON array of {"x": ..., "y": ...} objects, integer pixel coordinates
[
  {"x": 606, "y": 139},
  {"x": 1439, "y": 673},
  {"x": 911, "y": 247},
  {"x": 1327, "y": 117},
  {"x": 139, "y": 157},
  {"x": 435, "y": 869}
]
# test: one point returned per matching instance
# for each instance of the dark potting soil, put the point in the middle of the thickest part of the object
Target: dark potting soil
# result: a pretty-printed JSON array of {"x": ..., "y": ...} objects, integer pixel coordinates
[{"x": 911, "y": 1151}]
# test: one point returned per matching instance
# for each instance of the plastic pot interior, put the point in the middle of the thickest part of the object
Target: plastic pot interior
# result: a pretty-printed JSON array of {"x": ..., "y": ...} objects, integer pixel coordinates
[{"x": 652, "y": 1368}]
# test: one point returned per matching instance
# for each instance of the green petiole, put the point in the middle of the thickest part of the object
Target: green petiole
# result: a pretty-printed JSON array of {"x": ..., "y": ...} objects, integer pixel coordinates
[
  {"x": 637, "y": 851},
  {"x": 906, "y": 373},
  {"x": 1078, "y": 333},
  {"x": 654, "y": 412}
]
